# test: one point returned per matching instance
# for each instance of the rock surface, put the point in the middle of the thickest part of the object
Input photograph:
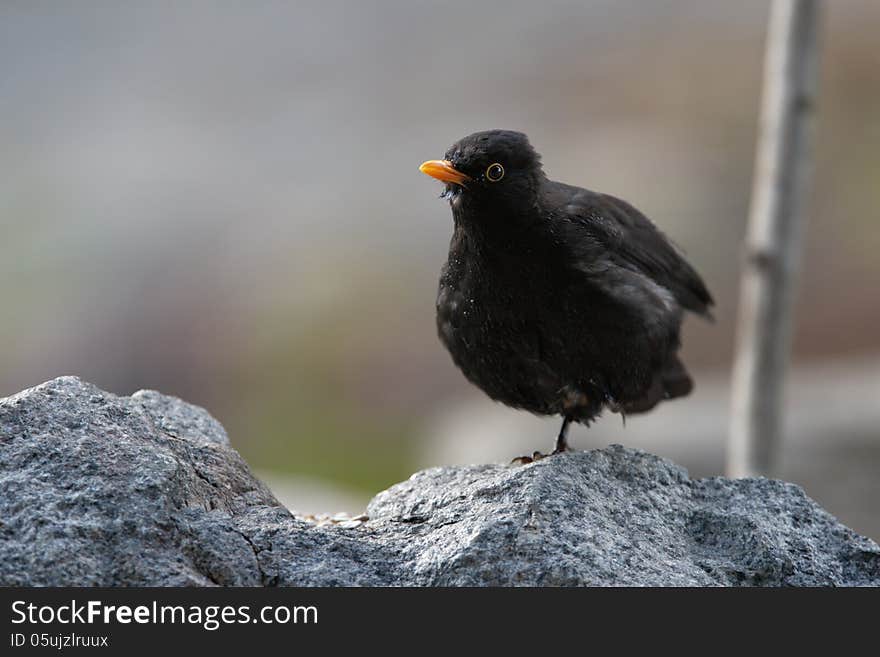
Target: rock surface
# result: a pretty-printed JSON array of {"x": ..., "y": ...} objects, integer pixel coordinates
[{"x": 97, "y": 489}]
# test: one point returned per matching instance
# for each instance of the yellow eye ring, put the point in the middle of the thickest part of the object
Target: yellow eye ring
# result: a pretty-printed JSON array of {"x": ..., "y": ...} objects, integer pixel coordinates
[{"x": 495, "y": 172}]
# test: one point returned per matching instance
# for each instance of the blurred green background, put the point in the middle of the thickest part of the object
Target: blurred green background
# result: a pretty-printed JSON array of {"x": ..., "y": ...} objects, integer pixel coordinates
[{"x": 221, "y": 200}]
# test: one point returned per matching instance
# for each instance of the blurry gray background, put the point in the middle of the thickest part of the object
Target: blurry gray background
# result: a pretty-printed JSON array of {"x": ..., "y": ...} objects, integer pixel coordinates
[{"x": 221, "y": 200}]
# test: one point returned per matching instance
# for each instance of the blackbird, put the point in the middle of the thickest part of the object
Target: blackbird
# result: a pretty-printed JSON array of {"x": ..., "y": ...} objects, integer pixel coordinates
[{"x": 556, "y": 299}]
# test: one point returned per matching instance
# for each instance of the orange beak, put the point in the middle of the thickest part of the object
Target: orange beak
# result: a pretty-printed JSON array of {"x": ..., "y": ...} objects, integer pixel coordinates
[{"x": 443, "y": 170}]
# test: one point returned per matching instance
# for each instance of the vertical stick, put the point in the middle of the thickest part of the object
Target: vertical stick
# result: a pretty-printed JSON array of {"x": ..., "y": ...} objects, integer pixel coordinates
[{"x": 773, "y": 244}]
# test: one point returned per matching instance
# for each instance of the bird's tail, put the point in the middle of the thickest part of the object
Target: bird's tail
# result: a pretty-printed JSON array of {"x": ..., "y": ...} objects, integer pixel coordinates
[
  {"x": 675, "y": 379},
  {"x": 672, "y": 381}
]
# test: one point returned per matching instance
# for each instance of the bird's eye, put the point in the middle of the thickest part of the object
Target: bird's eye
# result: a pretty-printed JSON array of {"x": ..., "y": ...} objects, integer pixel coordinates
[{"x": 495, "y": 172}]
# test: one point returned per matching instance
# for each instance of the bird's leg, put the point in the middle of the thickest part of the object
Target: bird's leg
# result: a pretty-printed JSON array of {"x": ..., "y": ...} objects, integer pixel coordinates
[
  {"x": 561, "y": 446},
  {"x": 562, "y": 438}
]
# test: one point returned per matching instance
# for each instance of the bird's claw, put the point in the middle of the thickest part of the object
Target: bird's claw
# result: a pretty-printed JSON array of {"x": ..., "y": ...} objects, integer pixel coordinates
[{"x": 525, "y": 460}]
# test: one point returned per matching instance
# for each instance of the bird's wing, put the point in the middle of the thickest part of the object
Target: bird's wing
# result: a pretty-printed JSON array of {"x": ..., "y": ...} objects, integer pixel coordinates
[{"x": 610, "y": 229}]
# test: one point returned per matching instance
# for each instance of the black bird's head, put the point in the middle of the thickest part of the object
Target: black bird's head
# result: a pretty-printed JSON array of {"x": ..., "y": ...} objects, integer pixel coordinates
[{"x": 492, "y": 170}]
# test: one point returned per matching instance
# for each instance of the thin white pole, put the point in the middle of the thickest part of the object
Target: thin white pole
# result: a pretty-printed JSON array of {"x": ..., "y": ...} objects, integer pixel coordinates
[{"x": 773, "y": 242}]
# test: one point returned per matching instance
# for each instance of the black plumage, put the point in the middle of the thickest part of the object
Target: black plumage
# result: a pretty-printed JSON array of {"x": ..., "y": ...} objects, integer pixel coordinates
[{"x": 556, "y": 299}]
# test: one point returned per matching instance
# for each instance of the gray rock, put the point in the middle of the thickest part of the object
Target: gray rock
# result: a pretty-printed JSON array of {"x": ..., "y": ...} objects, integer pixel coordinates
[{"x": 97, "y": 489}]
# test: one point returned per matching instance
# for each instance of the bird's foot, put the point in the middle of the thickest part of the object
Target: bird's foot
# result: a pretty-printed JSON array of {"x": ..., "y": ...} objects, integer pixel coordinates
[
  {"x": 525, "y": 460},
  {"x": 537, "y": 456}
]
